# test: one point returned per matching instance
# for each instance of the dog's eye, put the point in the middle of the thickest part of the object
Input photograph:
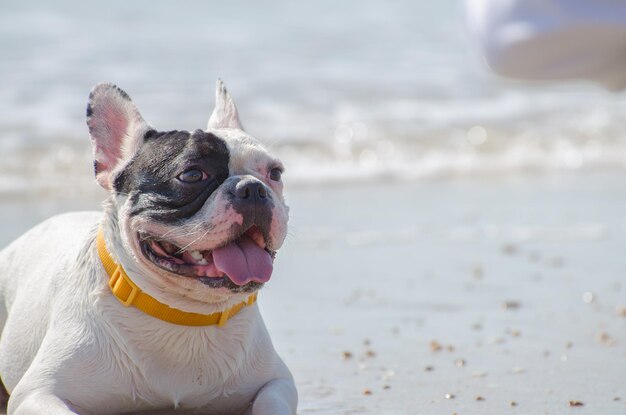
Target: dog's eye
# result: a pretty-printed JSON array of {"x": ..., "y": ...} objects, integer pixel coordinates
[
  {"x": 275, "y": 174},
  {"x": 192, "y": 176}
]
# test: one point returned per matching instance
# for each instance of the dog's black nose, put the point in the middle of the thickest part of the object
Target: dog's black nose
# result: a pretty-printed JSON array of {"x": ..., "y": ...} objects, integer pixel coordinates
[{"x": 250, "y": 189}]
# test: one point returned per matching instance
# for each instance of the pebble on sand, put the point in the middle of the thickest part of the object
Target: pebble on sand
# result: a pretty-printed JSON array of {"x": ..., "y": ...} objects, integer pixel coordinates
[
  {"x": 509, "y": 249},
  {"x": 511, "y": 305},
  {"x": 604, "y": 339},
  {"x": 556, "y": 262},
  {"x": 515, "y": 333},
  {"x": 435, "y": 346},
  {"x": 478, "y": 271}
]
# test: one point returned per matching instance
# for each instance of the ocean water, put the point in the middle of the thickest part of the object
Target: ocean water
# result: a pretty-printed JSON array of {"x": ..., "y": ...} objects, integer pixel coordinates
[{"x": 344, "y": 92}]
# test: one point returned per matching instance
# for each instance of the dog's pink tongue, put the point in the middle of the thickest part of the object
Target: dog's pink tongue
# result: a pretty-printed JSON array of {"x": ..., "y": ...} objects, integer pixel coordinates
[{"x": 244, "y": 261}]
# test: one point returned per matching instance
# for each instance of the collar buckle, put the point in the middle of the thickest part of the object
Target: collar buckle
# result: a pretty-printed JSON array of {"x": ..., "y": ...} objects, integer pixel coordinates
[{"x": 119, "y": 284}]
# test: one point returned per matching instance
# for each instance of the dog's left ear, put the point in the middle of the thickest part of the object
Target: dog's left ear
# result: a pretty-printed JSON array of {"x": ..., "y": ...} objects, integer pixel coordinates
[
  {"x": 225, "y": 114},
  {"x": 116, "y": 127}
]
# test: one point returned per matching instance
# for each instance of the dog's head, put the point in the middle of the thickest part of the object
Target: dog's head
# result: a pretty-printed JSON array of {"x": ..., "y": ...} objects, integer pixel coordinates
[{"x": 200, "y": 213}]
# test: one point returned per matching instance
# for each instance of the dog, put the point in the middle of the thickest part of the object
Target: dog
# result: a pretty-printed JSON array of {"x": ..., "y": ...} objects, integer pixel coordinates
[{"x": 150, "y": 307}]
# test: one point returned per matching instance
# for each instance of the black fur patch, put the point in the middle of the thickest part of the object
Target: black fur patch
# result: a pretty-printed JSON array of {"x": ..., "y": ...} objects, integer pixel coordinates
[
  {"x": 122, "y": 92},
  {"x": 89, "y": 110},
  {"x": 150, "y": 179},
  {"x": 149, "y": 134}
]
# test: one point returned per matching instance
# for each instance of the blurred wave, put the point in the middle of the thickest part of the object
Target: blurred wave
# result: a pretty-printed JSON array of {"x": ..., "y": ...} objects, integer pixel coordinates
[{"x": 343, "y": 91}]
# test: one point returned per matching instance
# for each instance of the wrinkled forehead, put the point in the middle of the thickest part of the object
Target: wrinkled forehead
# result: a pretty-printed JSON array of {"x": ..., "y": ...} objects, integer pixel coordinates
[{"x": 247, "y": 155}]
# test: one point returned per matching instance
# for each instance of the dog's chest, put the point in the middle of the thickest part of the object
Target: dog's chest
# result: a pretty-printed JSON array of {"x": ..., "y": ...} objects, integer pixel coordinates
[{"x": 186, "y": 367}]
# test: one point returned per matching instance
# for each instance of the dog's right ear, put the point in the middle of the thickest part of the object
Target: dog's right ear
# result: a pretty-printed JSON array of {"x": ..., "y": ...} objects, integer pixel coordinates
[{"x": 116, "y": 127}]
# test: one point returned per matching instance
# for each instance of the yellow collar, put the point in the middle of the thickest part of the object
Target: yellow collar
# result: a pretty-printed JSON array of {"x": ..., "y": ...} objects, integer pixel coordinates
[{"x": 130, "y": 295}]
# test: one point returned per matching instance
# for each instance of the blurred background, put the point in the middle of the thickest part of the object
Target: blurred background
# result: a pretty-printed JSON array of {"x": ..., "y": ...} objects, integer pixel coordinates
[
  {"x": 432, "y": 202},
  {"x": 345, "y": 92}
]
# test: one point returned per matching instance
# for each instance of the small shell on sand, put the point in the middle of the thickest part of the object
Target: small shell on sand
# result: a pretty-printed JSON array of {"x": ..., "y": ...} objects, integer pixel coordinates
[
  {"x": 449, "y": 396},
  {"x": 367, "y": 392},
  {"x": 588, "y": 297},
  {"x": 575, "y": 403},
  {"x": 346, "y": 355}
]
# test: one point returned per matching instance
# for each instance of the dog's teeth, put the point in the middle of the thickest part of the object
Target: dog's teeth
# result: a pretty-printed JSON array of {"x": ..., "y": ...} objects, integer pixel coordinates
[{"x": 197, "y": 255}]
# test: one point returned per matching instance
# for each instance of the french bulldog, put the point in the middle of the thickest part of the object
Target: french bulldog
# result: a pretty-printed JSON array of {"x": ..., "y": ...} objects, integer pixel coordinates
[{"x": 191, "y": 225}]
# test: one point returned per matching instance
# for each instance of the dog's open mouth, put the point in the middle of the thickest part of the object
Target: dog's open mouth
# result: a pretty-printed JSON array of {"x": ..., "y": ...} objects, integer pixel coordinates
[{"x": 244, "y": 261}]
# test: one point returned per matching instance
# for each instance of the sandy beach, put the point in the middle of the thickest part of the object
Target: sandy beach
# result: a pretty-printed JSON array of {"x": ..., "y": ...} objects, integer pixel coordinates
[{"x": 467, "y": 297}]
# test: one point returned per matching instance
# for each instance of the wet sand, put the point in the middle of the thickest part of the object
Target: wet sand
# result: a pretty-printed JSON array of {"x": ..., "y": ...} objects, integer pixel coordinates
[
  {"x": 468, "y": 298},
  {"x": 491, "y": 296}
]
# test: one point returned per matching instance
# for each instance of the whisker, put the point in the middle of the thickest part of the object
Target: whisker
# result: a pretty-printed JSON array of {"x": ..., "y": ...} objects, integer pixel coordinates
[{"x": 194, "y": 241}]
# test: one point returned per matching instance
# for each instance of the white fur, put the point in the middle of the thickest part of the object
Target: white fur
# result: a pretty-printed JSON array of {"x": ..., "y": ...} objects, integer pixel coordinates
[
  {"x": 225, "y": 114},
  {"x": 69, "y": 346}
]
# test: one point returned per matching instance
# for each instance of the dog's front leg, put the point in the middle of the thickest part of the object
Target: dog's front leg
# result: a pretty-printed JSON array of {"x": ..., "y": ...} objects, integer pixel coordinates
[
  {"x": 276, "y": 397},
  {"x": 38, "y": 403}
]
